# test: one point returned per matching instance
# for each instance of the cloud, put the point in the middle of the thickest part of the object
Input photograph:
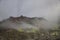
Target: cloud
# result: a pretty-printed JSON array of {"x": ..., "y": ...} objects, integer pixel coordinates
[
  {"x": 41, "y": 8},
  {"x": 48, "y": 9}
]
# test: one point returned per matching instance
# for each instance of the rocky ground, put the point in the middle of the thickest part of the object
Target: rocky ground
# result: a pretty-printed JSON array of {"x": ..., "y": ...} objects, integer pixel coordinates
[
  {"x": 24, "y": 28},
  {"x": 12, "y": 34}
]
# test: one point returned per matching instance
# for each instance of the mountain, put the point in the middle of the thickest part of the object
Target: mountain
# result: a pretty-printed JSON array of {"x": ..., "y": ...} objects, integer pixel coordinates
[
  {"x": 25, "y": 28},
  {"x": 25, "y": 23}
]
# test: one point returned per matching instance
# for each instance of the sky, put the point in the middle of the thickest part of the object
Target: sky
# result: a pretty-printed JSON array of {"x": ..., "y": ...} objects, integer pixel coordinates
[{"x": 48, "y": 9}]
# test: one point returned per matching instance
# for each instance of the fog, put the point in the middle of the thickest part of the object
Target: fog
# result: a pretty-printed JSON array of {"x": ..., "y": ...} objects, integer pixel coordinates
[{"x": 49, "y": 9}]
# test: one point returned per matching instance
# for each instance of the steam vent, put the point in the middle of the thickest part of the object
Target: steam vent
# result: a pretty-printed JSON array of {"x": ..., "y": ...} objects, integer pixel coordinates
[{"x": 25, "y": 28}]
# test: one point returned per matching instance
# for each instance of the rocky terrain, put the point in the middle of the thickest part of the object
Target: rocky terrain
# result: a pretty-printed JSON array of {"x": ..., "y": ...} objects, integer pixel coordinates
[
  {"x": 25, "y": 28},
  {"x": 12, "y": 34},
  {"x": 23, "y": 22}
]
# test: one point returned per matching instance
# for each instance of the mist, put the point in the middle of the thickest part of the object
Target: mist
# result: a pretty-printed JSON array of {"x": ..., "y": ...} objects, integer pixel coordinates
[
  {"x": 26, "y": 23},
  {"x": 49, "y": 9}
]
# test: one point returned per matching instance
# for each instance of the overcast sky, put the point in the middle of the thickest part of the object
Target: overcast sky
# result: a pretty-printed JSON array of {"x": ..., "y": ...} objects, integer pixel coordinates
[{"x": 48, "y": 9}]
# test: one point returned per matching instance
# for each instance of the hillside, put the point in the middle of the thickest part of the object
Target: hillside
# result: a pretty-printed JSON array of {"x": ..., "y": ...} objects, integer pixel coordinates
[
  {"x": 25, "y": 28},
  {"x": 23, "y": 22}
]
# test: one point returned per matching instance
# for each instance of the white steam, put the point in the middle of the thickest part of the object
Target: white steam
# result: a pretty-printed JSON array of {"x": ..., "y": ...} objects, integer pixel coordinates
[{"x": 36, "y": 24}]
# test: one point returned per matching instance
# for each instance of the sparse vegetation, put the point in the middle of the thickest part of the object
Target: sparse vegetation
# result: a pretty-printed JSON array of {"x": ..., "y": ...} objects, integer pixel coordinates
[{"x": 12, "y": 34}]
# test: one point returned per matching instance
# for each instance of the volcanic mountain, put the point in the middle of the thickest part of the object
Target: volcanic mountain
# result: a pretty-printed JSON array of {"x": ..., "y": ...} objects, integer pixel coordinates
[{"x": 25, "y": 23}]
